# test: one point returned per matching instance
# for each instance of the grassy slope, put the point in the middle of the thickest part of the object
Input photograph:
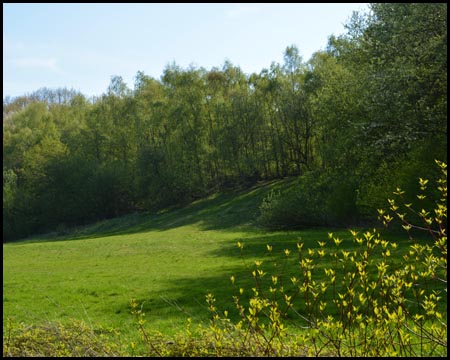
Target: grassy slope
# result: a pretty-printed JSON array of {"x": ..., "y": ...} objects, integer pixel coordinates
[{"x": 167, "y": 261}]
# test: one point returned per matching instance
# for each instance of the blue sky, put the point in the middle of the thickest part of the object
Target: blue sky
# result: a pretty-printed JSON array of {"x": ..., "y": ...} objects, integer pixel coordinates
[{"x": 81, "y": 46}]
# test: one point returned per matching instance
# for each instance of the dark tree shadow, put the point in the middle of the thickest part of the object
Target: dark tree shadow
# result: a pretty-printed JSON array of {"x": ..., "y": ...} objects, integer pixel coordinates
[
  {"x": 230, "y": 211},
  {"x": 185, "y": 296}
]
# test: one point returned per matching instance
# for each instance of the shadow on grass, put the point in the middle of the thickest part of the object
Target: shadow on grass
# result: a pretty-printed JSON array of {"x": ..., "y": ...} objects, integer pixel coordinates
[{"x": 185, "y": 296}]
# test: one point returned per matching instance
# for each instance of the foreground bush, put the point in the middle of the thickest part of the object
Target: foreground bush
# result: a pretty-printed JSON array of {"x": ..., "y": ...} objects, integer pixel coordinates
[{"x": 75, "y": 339}]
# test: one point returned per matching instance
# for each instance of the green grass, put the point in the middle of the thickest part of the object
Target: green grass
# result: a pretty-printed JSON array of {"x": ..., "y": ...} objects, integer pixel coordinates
[{"x": 168, "y": 262}]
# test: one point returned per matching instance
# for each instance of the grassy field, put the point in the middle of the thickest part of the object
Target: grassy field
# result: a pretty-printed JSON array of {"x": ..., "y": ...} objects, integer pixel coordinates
[{"x": 168, "y": 262}]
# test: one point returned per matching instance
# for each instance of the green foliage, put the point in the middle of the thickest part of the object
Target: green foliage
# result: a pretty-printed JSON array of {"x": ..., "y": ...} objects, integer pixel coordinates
[
  {"x": 75, "y": 339},
  {"x": 111, "y": 190},
  {"x": 314, "y": 199},
  {"x": 299, "y": 205},
  {"x": 9, "y": 193},
  {"x": 221, "y": 338},
  {"x": 374, "y": 301},
  {"x": 67, "y": 183},
  {"x": 373, "y": 192}
]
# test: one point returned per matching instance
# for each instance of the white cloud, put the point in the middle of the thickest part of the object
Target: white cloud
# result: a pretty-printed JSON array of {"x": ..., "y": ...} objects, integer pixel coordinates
[
  {"x": 11, "y": 46},
  {"x": 48, "y": 64},
  {"x": 39, "y": 63}
]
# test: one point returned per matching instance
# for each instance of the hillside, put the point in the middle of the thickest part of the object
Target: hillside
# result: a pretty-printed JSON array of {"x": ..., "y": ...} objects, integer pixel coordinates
[
  {"x": 235, "y": 209},
  {"x": 168, "y": 261}
]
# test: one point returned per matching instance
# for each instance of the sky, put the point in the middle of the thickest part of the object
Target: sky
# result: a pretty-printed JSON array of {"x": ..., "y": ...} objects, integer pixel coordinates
[{"x": 81, "y": 46}]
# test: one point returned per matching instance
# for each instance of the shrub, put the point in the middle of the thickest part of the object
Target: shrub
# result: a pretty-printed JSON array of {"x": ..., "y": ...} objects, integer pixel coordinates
[
  {"x": 298, "y": 205},
  {"x": 379, "y": 184},
  {"x": 75, "y": 339},
  {"x": 314, "y": 199}
]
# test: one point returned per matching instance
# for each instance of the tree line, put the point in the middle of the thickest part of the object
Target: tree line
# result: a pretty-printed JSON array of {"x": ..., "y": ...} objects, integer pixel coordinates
[{"x": 367, "y": 111}]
